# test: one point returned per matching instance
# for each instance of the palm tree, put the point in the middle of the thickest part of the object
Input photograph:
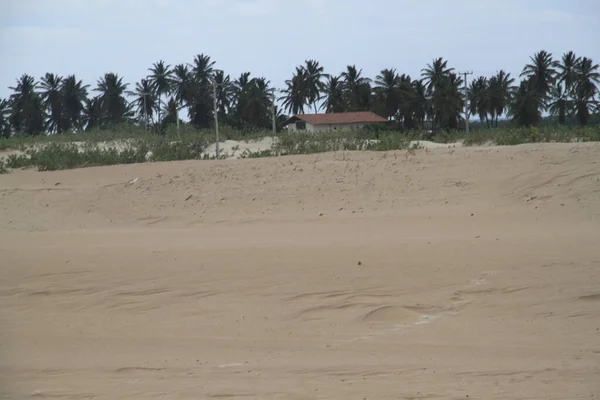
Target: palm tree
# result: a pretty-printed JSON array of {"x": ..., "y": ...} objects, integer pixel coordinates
[
  {"x": 435, "y": 72},
  {"x": 5, "y": 130},
  {"x": 412, "y": 102},
  {"x": 479, "y": 99},
  {"x": 238, "y": 87},
  {"x": 202, "y": 68},
  {"x": 241, "y": 82},
  {"x": 295, "y": 96},
  {"x": 112, "y": 99},
  {"x": 254, "y": 104},
  {"x": 334, "y": 95},
  {"x": 357, "y": 89},
  {"x": 587, "y": 77},
  {"x": 561, "y": 104},
  {"x": 93, "y": 113},
  {"x": 171, "y": 112},
  {"x": 182, "y": 87},
  {"x": 524, "y": 108},
  {"x": 567, "y": 70},
  {"x": 418, "y": 104},
  {"x": 181, "y": 84},
  {"x": 387, "y": 90},
  {"x": 200, "y": 102},
  {"x": 448, "y": 102},
  {"x": 585, "y": 85},
  {"x": 542, "y": 74},
  {"x": 51, "y": 95},
  {"x": 406, "y": 98},
  {"x": 162, "y": 81},
  {"x": 145, "y": 100},
  {"x": 500, "y": 91},
  {"x": 491, "y": 87},
  {"x": 435, "y": 75},
  {"x": 74, "y": 95},
  {"x": 225, "y": 92},
  {"x": 27, "y": 110},
  {"x": 314, "y": 75}
]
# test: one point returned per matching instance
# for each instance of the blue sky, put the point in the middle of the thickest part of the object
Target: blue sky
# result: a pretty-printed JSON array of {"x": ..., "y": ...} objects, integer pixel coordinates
[{"x": 270, "y": 37}]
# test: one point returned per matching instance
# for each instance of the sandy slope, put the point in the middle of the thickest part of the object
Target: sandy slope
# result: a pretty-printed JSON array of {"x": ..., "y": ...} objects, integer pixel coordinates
[{"x": 440, "y": 275}]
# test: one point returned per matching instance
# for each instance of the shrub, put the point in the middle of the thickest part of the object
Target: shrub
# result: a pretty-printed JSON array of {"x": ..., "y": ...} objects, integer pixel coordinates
[
  {"x": 171, "y": 151},
  {"x": 16, "y": 161},
  {"x": 258, "y": 154},
  {"x": 59, "y": 152},
  {"x": 57, "y": 156},
  {"x": 310, "y": 143}
]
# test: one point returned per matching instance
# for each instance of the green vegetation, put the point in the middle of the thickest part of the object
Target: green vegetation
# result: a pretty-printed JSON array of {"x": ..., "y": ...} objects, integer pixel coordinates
[
  {"x": 64, "y": 155},
  {"x": 60, "y": 122},
  {"x": 95, "y": 149},
  {"x": 55, "y": 105},
  {"x": 515, "y": 136}
]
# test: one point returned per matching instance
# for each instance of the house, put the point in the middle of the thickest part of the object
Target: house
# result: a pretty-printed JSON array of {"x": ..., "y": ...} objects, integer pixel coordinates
[{"x": 332, "y": 121}]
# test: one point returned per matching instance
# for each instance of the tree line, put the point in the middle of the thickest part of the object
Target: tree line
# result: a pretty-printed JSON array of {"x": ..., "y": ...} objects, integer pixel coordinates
[{"x": 566, "y": 87}]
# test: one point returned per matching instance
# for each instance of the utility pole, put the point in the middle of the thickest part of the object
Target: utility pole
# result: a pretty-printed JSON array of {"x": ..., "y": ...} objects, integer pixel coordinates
[
  {"x": 177, "y": 118},
  {"x": 145, "y": 115},
  {"x": 465, "y": 74},
  {"x": 274, "y": 114},
  {"x": 216, "y": 112}
]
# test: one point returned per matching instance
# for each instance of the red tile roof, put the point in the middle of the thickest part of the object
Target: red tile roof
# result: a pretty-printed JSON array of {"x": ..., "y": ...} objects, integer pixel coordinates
[{"x": 361, "y": 117}]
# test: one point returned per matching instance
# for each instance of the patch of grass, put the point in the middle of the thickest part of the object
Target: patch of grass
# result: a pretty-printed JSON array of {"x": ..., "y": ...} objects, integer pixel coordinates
[
  {"x": 310, "y": 143},
  {"x": 16, "y": 161},
  {"x": 3, "y": 169},
  {"x": 172, "y": 151},
  {"x": 258, "y": 154},
  {"x": 516, "y": 136},
  {"x": 58, "y": 156},
  {"x": 390, "y": 141},
  {"x": 15, "y": 143},
  {"x": 105, "y": 147}
]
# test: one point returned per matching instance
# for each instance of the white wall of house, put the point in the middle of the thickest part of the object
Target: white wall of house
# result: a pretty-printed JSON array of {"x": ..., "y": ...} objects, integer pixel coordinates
[
  {"x": 296, "y": 128},
  {"x": 323, "y": 127}
]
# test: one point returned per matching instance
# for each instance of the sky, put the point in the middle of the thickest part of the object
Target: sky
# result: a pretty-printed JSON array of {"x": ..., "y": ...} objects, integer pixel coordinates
[{"x": 270, "y": 38}]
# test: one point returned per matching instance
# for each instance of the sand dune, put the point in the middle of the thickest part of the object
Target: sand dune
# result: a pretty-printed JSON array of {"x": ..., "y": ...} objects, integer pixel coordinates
[{"x": 451, "y": 273}]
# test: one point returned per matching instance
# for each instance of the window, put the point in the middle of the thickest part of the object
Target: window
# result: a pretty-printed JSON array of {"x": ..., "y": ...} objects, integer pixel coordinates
[{"x": 301, "y": 125}]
